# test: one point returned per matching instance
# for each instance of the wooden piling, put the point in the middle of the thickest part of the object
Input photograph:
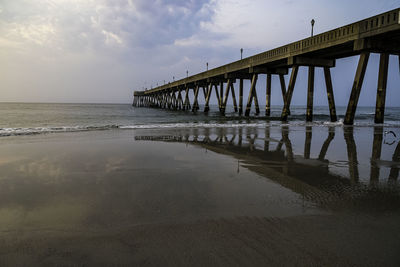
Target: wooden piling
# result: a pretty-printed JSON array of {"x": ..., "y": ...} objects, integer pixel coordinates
[
  {"x": 206, "y": 106},
  {"x": 283, "y": 88},
  {"x": 355, "y": 91},
  {"x": 223, "y": 106},
  {"x": 381, "y": 92},
  {"x": 234, "y": 98},
  {"x": 251, "y": 93},
  {"x": 195, "y": 101},
  {"x": 180, "y": 101},
  {"x": 217, "y": 95},
  {"x": 289, "y": 93},
  {"x": 329, "y": 92},
  {"x": 187, "y": 101},
  {"x": 256, "y": 101},
  {"x": 268, "y": 97},
  {"x": 310, "y": 93},
  {"x": 221, "y": 90},
  {"x": 240, "y": 96}
]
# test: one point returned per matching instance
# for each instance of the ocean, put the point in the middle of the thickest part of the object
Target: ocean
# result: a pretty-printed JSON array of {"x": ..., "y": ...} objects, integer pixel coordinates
[{"x": 35, "y": 118}]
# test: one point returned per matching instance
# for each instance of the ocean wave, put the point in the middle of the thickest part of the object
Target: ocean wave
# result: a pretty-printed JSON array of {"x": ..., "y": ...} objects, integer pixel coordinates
[
  {"x": 42, "y": 130},
  {"x": 183, "y": 125}
]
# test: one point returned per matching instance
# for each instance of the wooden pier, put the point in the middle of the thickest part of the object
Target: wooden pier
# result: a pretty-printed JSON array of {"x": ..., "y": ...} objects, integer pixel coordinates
[{"x": 378, "y": 34}]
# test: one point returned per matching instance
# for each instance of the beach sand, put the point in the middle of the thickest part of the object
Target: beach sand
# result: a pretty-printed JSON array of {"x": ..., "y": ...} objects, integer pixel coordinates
[{"x": 279, "y": 196}]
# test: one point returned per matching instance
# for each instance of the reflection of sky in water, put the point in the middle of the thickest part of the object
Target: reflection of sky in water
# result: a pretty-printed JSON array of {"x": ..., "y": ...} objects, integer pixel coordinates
[
  {"x": 77, "y": 180},
  {"x": 115, "y": 178}
]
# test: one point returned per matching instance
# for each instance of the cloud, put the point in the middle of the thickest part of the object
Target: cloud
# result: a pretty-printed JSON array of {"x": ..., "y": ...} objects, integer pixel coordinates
[{"x": 67, "y": 49}]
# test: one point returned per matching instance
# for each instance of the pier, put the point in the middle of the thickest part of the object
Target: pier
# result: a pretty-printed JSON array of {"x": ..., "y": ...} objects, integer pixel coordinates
[{"x": 379, "y": 34}]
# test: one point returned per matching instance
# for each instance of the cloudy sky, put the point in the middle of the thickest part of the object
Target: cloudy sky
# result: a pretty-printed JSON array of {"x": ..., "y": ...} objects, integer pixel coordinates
[{"x": 101, "y": 50}]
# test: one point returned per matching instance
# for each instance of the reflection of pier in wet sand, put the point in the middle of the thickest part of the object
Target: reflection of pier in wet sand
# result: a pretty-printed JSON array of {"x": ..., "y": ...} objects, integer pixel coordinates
[{"x": 310, "y": 177}]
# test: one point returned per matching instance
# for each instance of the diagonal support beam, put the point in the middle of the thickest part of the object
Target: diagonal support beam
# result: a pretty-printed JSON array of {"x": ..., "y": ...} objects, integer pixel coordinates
[
  {"x": 289, "y": 93},
  {"x": 228, "y": 87},
  {"x": 355, "y": 91},
  {"x": 329, "y": 92},
  {"x": 195, "y": 101},
  {"x": 234, "y": 98},
  {"x": 206, "y": 106},
  {"x": 251, "y": 93}
]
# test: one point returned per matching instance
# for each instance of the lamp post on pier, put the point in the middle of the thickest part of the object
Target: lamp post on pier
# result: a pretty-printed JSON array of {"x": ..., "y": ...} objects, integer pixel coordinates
[
  {"x": 241, "y": 53},
  {"x": 207, "y": 66},
  {"x": 312, "y": 27}
]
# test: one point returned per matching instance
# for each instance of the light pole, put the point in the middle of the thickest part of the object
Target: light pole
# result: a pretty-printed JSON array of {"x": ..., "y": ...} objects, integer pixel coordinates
[
  {"x": 312, "y": 27},
  {"x": 207, "y": 66},
  {"x": 187, "y": 73},
  {"x": 173, "y": 78},
  {"x": 241, "y": 53}
]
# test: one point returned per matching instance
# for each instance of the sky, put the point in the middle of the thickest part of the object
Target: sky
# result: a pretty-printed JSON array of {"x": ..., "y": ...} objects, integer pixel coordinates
[{"x": 100, "y": 51}]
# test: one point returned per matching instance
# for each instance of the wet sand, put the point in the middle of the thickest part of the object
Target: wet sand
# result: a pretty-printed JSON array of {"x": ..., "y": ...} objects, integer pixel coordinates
[{"x": 280, "y": 196}]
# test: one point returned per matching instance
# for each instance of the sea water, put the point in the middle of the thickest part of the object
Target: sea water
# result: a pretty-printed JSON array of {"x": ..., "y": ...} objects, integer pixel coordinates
[{"x": 36, "y": 118}]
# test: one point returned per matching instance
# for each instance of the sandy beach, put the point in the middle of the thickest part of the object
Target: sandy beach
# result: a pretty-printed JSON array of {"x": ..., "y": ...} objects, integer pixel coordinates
[{"x": 195, "y": 197}]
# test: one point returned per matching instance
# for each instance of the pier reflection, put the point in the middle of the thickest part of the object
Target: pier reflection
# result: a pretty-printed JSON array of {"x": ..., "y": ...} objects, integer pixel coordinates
[{"x": 317, "y": 170}]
